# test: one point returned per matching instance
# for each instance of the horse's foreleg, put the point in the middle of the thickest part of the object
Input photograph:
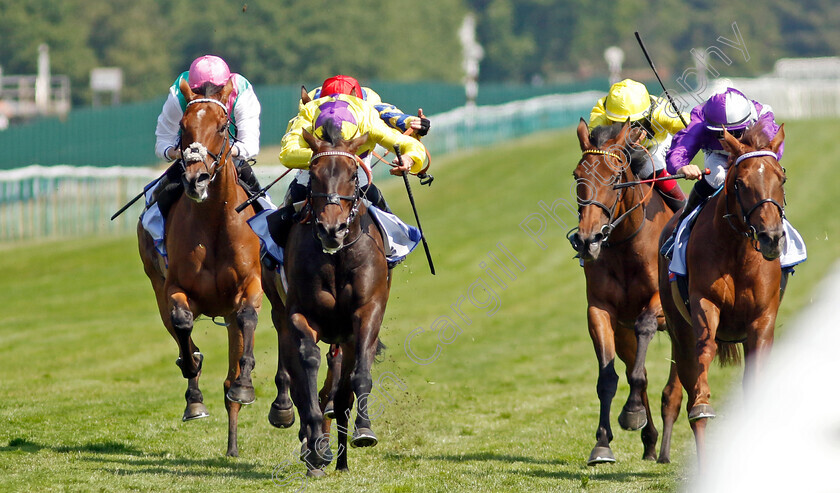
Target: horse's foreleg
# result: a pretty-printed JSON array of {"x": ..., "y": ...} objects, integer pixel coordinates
[
  {"x": 601, "y": 324},
  {"x": 366, "y": 323},
  {"x": 343, "y": 402},
  {"x": 190, "y": 358},
  {"x": 327, "y": 393},
  {"x": 281, "y": 414},
  {"x": 241, "y": 356},
  {"x": 671, "y": 400},
  {"x": 705, "y": 318},
  {"x": 303, "y": 371},
  {"x": 636, "y": 412},
  {"x": 760, "y": 334}
]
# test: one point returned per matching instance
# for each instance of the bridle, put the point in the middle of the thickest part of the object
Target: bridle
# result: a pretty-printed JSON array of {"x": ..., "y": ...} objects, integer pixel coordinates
[
  {"x": 198, "y": 151},
  {"x": 751, "y": 233},
  {"x": 612, "y": 221},
  {"x": 335, "y": 198}
]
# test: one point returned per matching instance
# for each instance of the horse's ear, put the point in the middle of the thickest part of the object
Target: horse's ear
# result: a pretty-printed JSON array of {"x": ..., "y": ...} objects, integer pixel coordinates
[
  {"x": 304, "y": 96},
  {"x": 357, "y": 142},
  {"x": 623, "y": 134},
  {"x": 311, "y": 140},
  {"x": 776, "y": 143},
  {"x": 227, "y": 90},
  {"x": 731, "y": 145},
  {"x": 189, "y": 95},
  {"x": 583, "y": 135}
]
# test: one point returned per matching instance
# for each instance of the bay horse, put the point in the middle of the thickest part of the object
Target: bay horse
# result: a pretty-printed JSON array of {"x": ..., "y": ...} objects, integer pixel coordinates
[
  {"x": 213, "y": 257},
  {"x": 616, "y": 240},
  {"x": 734, "y": 280},
  {"x": 338, "y": 287}
]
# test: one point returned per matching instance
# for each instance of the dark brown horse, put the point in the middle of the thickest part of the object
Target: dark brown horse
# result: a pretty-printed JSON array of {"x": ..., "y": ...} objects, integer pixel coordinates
[
  {"x": 734, "y": 279},
  {"x": 616, "y": 239},
  {"x": 338, "y": 286},
  {"x": 214, "y": 260}
]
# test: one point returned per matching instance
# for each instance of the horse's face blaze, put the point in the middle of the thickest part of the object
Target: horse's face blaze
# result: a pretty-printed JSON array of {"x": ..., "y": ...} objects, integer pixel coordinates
[
  {"x": 757, "y": 180},
  {"x": 201, "y": 137}
]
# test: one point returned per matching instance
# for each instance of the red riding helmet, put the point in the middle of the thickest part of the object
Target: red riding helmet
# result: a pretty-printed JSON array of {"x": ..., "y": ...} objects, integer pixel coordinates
[{"x": 341, "y": 84}]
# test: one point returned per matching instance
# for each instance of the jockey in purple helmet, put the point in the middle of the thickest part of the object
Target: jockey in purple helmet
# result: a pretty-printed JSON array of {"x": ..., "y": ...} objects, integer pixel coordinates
[{"x": 730, "y": 109}]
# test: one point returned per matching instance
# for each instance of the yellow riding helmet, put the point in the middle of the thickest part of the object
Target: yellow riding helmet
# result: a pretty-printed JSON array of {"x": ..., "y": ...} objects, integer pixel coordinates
[{"x": 627, "y": 98}]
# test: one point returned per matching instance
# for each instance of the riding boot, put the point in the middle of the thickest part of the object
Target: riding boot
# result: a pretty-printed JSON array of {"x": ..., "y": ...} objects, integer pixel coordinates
[
  {"x": 249, "y": 182},
  {"x": 168, "y": 190},
  {"x": 695, "y": 198},
  {"x": 671, "y": 193},
  {"x": 372, "y": 193},
  {"x": 280, "y": 223}
]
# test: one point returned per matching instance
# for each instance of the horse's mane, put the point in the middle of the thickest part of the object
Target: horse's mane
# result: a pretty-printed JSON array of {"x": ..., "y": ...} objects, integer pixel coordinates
[
  {"x": 208, "y": 89},
  {"x": 601, "y": 134},
  {"x": 332, "y": 132},
  {"x": 755, "y": 137}
]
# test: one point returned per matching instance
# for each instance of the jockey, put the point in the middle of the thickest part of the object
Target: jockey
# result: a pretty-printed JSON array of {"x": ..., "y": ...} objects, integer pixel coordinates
[
  {"x": 728, "y": 108},
  {"x": 207, "y": 75},
  {"x": 390, "y": 114},
  {"x": 356, "y": 116},
  {"x": 630, "y": 99}
]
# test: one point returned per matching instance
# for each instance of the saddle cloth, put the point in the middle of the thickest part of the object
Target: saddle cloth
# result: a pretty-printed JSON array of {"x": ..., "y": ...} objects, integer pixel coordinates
[
  {"x": 795, "y": 251},
  {"x": 400, "y": 238},
  {"x": 155, "y": 224}
]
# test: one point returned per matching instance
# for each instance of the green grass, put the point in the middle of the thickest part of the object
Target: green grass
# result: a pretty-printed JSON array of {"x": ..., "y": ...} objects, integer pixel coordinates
[{"x": 90, "y": 398}]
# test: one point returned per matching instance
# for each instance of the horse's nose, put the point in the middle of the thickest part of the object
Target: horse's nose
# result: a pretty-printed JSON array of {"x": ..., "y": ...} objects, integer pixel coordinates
[{"x": 772, "y": 243}]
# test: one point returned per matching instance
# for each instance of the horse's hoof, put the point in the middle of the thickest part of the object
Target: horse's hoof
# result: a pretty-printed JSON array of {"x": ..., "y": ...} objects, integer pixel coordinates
[
  {"x": 632, "y": 420},
  {"x": 600, "y": 455},
  {"x": 363, "y": 437},
  {"x": 241, "y": 394},
  {"x": 315, "y": 473},
  {"x": 281, "y": 418},
  {"x": 329, "y": 411},
  {"x": 195, "y": 410},
  {"x": 663, "y": 460},
  {"x": 701, "y": 411}
]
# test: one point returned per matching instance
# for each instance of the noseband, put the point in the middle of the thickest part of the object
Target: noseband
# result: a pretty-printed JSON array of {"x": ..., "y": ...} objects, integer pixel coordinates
[
  {"x": 334, "y": 198},
  {"x": 198, "y": 152},
  {"x": 751, "y": 232},
  {"x": 612, "y": 221}
]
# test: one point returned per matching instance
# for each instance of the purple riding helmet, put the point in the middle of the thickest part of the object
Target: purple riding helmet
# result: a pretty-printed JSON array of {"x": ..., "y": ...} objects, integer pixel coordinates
[{"x": 730, "y": 109}]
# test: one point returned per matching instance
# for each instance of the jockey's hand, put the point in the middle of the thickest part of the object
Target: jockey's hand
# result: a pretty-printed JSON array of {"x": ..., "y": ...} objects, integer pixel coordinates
[
  {"x": 691, "y": 172},
  {"x": 234, "y": 151},
  {"x": 402, "y": 167},
  {"x": 421, "y": 125},
  {"x": 173, "y": 153}
]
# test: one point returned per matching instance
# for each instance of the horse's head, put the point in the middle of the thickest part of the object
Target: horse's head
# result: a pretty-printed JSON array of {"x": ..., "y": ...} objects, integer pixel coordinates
[
  {"x": 205, "y": 145},
  {"x": 334, "y": 185},
  {"x": 603, "y": 165},
  {"x": 755, "y": 188}
]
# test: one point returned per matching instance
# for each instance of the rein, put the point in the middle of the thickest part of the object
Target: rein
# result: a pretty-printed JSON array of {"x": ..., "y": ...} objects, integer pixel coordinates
[
  {"x": 751, "y": 233},
  {"x": 613, "y": 222}
]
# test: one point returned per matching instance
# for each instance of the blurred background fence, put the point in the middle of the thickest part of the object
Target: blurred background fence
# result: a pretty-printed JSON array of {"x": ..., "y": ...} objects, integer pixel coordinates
[{"x": 92, "y": 162}]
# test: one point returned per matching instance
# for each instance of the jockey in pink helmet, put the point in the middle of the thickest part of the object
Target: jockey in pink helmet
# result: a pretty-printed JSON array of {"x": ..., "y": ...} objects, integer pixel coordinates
[{"x": 207, "y": 75}]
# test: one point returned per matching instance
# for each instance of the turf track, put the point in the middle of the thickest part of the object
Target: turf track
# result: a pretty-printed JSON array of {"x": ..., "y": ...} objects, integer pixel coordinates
[{"x": 90, "y": 398}]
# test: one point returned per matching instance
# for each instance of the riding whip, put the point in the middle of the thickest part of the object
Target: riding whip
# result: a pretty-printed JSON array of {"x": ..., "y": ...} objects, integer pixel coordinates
[
  {"x": 650, "y": 62},
  {"x": 145, "y": 189},
  {"x": 261, "y": 193},
  {"x": 414, "y": 208}
]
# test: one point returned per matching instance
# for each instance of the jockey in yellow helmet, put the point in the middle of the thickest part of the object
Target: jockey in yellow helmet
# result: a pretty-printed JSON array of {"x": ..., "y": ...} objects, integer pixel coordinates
[{"x": 629, "y": 99}]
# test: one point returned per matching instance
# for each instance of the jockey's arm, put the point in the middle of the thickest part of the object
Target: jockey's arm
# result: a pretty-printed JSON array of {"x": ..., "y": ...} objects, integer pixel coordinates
[
  {"x": 294, "y": 151},
  {"x": 246, "y": 115},
  {"x": 167, "y": 132},
  {"x": 387, "y": 137}
]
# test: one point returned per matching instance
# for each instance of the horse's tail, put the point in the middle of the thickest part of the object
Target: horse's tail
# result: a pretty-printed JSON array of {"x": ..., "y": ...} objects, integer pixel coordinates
[
  {"x": 729, "y": 353},
  {"x": 380, "y": 347}
]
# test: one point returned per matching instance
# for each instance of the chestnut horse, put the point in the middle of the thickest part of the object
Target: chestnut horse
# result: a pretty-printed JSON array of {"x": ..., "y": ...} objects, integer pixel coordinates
[
  {"x": 338, "y": 286},
  {"x": 213, "y": 257},
  {"x": 616, "y": 239},
  {"x": 734, "y": 280}
]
